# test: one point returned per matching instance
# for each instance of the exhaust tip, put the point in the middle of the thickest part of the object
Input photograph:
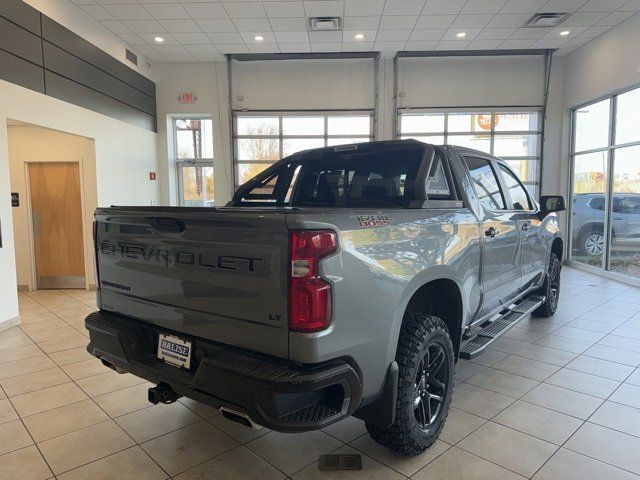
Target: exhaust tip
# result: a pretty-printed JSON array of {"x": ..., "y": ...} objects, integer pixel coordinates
[{"x": 239, "y": 417}]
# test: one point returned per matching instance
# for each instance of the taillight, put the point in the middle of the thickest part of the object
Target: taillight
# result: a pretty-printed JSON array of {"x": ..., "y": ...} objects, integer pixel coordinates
[{"x": 309, "y": 294}]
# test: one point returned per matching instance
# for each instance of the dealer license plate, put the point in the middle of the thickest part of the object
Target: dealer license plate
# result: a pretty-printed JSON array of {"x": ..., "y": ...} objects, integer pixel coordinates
[{"x": 174, "y": 350}]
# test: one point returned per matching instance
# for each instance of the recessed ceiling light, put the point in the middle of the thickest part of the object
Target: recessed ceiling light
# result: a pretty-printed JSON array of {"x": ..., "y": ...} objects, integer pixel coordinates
[
  {"x": 358, "y": 36},
  {"x": 258, "y": 38},
  {"x": 564, "y": 33},
  {"x": 159, "y": 39},
  {"x": 461, "y": 35}
]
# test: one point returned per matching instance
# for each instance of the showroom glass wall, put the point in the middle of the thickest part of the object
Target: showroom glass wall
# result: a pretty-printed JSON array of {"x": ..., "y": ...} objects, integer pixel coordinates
[
  {"x": 262, "y": 138},
  {"x": 511, "y": 135},
  {"x": 193, "y": 143},
  {"x": 605, "y": 184}
]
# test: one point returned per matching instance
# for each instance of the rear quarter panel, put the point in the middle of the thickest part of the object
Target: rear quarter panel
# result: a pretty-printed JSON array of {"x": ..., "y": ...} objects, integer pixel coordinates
[{"x": 376, "y": 272}]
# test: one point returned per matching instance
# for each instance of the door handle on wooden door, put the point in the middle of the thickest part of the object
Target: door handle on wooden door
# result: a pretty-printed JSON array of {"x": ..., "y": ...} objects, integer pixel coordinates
[{"x": 36, "y": 224}]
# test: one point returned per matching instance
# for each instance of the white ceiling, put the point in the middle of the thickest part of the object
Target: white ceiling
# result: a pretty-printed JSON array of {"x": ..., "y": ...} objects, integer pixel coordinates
[{"x": 204, "y": 30}]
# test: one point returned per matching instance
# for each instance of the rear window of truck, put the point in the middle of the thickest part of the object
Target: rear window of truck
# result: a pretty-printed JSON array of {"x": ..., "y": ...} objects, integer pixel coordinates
[{"x": 348, "y": 179}]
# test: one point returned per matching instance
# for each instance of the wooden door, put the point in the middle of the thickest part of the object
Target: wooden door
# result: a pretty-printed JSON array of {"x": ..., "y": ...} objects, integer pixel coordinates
[{"x": 56, "y": 209}]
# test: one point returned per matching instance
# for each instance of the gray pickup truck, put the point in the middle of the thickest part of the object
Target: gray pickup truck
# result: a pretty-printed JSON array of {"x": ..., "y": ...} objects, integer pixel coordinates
[{"x": 340, "y": 281}]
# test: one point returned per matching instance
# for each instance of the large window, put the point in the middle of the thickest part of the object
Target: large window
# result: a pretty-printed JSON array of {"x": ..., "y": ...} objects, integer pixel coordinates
[
  {"x": 605, "y": 184},
  {"x": 193, "y": 140},
  {"x": 264, "y": 138},
  {"x": 511, "y": 135}
]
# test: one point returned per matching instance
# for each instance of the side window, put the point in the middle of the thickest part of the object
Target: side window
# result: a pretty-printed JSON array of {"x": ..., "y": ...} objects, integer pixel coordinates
[
  {"x": 516, "y": 190},
  {"x": 437, "y": 185},
  {"x": 486, "y": 183}
]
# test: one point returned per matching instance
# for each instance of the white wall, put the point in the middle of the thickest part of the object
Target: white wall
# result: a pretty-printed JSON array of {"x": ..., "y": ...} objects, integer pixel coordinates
[
  {"x": 36, "y": 144},
  {"x": 124, "y": 156},
  {"x": 71, "y": 16}
]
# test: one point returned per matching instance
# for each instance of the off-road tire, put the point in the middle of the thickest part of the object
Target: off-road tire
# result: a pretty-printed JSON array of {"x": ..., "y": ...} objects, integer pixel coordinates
[
  {"x": 419, "y": 332},
  {"x": 550, "y": 304}
]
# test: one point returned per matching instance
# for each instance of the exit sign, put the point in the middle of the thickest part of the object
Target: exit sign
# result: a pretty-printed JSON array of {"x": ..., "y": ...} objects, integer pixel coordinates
[{"x": 187, "y": 97}]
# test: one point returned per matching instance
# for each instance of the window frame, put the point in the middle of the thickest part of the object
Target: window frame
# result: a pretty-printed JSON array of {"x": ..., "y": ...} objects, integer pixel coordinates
[
  {"x": 281, "y": 137},
  {"x": 492, "y": 164},
  {"x": 492, "y": 133},
  {"x": 532, "y": 205},
  {"x": 180, "y": 163}
]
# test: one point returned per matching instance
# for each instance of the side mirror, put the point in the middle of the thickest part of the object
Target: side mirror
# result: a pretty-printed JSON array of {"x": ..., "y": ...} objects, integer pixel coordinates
[{"x": 552, "y": 203}]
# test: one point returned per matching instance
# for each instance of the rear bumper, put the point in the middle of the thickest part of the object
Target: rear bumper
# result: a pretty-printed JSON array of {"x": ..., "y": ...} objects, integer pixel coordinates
[{"x": 273, "y": 392}]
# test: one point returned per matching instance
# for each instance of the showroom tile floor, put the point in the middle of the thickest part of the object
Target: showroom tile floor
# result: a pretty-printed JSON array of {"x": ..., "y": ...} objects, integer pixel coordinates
[{"x": 554, "y": 399}]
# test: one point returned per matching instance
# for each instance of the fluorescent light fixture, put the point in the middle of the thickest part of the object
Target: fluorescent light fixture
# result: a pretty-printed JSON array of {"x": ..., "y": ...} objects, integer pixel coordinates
[
  {"x": 564, "y": 33},
  {"x": 159, "y": 39},
  {"x": 258, "y": 38},
  {"x": 461, "y": 35},
  {"x": 358, "y": 36}
]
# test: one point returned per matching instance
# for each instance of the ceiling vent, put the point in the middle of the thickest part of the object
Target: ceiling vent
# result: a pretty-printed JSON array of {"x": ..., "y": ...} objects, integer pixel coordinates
[
  {"x": 546, "y": 20},
  {"x": 325, "y": 24}
]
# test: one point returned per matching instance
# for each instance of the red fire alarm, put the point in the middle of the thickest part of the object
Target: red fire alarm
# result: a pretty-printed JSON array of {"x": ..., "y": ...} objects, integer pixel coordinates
[{"x": 152, "y": 175}]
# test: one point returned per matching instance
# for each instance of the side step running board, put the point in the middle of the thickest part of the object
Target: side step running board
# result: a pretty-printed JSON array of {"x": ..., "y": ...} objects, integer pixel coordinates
[{"x": 475, "y": 345}]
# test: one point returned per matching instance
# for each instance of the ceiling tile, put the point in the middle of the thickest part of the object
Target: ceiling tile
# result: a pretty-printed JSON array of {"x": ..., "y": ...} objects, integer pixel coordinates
[
  {"x": 484, "y": 44},
  {"x": 357, "y": 46},
  {"x": 245, "y": 10},
  {"x": 389, "y": 46},
  {"x": 393, "y": 35},
  {"x": 264, "y": 48},
  {"x": 495, "y": 33},
  {"x": 435, "y": 21},
  {"x": 150, "y": 39},
  {"x": 128, "y": 12},
  {"x": 615, "y": 18},
  {"x": 268, "y": 37},
  {"x": 216, "y": 25},
  {"x": 98, "y": 12},
  {"x": 363, "y": 7},
  {"x": 583, "y": 19},
  {"x": 85, "y": 2},
  {"x": 509, "y": 20},
  {"x": 116, "y": 26},
  {"x": 530, "y": 33},
  {"x": 326, "y": 47},
  {"x": 284, "y": 9},
  {"x": 232, "y": 48},
  {"x": 252, "y": 24},
  {"x": 325, "y": 8},
  {"x": 325, "y": 37},
  {"x": 142, "y": 1},
  {"x": 369, "y": 35},
  {"x": 516, "y": 44},
  {"x": 202, "y": 49},
  {"x": 403, "y": 7},
  {"x": 224, "y": 37},
  {"x": 182, "y": 26},
  {"x": 397, "y": 22},
  {"x": 452, "y": 33},
  {"x": 522, "y": 6},
  {"x": 548, "y": 43},
  {"x": 562, "y": 5},
  {"x": 576, "y": 42},
  {"x": 169, "y": 11},
  {"x": 288, "y": 24},
  {"x": 421, "y": 45},
  {"x": 471, "y": 21},
  {"x": 573, "y": 32},
  {"x": 452, "y": 45},
  {"x": 292, "y": 37},
  {"x": 192, "y": 38},
  {"x": 592, "y": 32},
  {"x": 209, "y": 57},
  {"x": 361, "y": 23},
  {"x": 143, "y": 26},
  {"x": 132, "y": 39},
  {"x": 602, "y": 5},
  {"x": 427, "y": 34},
  {"x": 631, "y": 6},
  {"x": 206, "y": 10},
  {"x": 437, "y": 7},
  {"x": 295, "y": 47},
  {"x": 483, "y": 6}
]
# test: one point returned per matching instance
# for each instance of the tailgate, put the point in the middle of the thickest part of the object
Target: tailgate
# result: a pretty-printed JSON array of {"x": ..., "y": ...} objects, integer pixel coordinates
[{"x": 215, "y": 274}]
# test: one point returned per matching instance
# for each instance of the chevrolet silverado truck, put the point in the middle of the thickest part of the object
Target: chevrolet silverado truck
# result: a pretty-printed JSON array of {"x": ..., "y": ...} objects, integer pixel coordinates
[{"x": 340, "y": 281}]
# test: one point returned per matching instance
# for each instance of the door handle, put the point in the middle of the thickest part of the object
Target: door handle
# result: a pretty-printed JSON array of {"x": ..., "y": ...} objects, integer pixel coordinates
[
  {"x": 491, "y": 232},
  {"x": 526, "y": 227}
]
